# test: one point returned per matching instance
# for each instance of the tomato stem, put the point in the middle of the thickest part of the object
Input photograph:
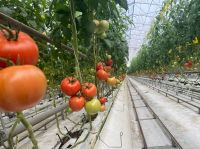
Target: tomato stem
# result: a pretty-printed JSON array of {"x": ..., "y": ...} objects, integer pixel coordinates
[
  {"x": 10, "y": 135},
  {"x": 28, "y": 126},
  {"x": 75, "y": 41},
  {"x": 57, "y": 121},
  {"x": 76, "y": 144}
]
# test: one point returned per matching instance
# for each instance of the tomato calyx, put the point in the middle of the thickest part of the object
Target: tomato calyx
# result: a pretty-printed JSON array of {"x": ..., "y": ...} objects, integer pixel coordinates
[
  {"x": 7, "y": 61},
  {"x": 9, "y": 34},
  {"x": 72, "y": 80}
]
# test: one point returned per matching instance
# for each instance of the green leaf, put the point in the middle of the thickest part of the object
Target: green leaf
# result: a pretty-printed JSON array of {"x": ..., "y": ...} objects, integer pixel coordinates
[{"x": 108, "y": 43}]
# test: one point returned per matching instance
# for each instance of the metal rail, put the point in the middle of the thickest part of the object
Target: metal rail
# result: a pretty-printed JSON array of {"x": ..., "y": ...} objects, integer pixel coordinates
[
  {"x": 35, "y": 120},
  {"x": 137, "y": 119},
  {"x": 194, "y": 93},
  {"x": 30, "y": 115},
  {"x": 168, "y": 133},
  {"x": 175, "y": 96}
]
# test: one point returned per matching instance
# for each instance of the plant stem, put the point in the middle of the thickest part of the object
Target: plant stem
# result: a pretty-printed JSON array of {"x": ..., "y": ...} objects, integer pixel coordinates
[
  {"x": 10, "y": 135},
  {"x": 75, "y": 41},
  {"x": 57, "y": 121},
  {"x": 76, "y": 144},
  {"x": 28, "y": 126}
]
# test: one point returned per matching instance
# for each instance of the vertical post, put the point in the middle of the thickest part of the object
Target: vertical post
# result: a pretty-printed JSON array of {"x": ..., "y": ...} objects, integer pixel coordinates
[{"x": 2, "y": 122}]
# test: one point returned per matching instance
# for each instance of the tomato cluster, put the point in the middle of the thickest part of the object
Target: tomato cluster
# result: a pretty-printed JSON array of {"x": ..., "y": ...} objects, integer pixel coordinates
[
  {"x": 81, "y": 95},
  {"x": 101, "y": 26},
  {"x": 21, "y": 86},
  {"x": 103, "y": 71}
]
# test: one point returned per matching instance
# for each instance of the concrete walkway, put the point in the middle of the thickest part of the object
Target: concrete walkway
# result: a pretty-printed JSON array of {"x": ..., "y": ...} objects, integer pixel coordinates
[{"x": 181, "y": 121}]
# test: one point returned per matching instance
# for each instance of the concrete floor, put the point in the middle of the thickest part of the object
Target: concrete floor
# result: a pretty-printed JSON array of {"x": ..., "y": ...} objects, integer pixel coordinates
[{"x": 182, "y": 122}]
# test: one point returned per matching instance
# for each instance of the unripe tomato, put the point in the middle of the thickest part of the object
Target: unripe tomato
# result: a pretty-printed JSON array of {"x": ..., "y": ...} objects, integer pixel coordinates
[
  {"x": 96, "y": 22},
  {"x": 103, "y": 35},
  {"x": 93, "y": 106},
  {"x": 21, "y": 87},
  {"x": 108, "y": 56},
  {"x": 69, "y": 110},
  {"x": 112, "y": 81},
  {"x": 24, "y": 50},
  {"x": 104, "y": 25},
  {"x": 103, "y": 108},
  {"x": 76, "y": 103},
  {"x": 88, "y": 90},
  {"x": 70, "y": 86},
  {"x": 102, "y": 75}
]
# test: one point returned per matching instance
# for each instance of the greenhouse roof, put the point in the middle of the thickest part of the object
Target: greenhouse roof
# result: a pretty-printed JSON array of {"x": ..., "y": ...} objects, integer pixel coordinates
[{"x": 143, "y": 13}]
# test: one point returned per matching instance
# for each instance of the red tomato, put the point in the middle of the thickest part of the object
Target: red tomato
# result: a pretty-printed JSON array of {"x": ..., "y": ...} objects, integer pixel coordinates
[
  {"x": 102, "y": 75},
  {"x": 24, "y": 49},
  {"x": 186, "y": 65},
  {"x": 21, "y": 87},
  {"x": 88, "y": 90},
  {"x": 103, "y": 100},
  {"x": 99, "y": 66},
  {"x": 190, "y": 64},
  {"x": 107, "y": 68},
  {"x": 76, "y": 103},
  {"x": 109, "y": 62},
  {"x": 103, "y": 108},
  {"x": 70, "y": 86}
]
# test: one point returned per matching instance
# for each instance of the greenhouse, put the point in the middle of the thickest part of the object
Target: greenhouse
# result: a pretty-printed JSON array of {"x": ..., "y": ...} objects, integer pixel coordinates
[{"x": 99, "y": 74}]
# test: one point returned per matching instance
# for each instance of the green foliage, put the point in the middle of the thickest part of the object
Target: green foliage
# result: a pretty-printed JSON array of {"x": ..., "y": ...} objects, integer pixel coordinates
[
  {"x": 169, "y": 44},
  {"x": 53, "y": 18}
]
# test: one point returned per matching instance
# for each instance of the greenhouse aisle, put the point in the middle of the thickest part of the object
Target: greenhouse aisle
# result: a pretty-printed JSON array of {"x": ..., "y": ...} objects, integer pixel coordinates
[
  {"x": 181, "y": 121},
  {"x": 120, "y": 120}
]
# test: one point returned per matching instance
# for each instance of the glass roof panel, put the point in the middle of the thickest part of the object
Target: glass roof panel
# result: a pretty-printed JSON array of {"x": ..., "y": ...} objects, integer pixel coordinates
[{"x": 143, "y": 13}]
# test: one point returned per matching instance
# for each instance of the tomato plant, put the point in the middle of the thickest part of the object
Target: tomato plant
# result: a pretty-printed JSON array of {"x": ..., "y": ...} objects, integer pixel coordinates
[
  {"x": 88, "y": 90},
  {"x": 21, "y": 87},
  {"x": 70, "y": 86},
  {"x": 76, "y": 103},
  {"x": 23, "y": 50}
]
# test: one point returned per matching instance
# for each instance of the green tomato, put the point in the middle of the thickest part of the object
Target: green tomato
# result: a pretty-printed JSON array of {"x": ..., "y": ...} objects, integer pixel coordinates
[
  {"x": 93, "y": 106},
  {"x": 96, "y": 22},
  {"x": 104, "y": 25},
  {"x": 69, "y": 110},
  {"x": 108, "y": 56},
  {"x": 103, "y": 35}
]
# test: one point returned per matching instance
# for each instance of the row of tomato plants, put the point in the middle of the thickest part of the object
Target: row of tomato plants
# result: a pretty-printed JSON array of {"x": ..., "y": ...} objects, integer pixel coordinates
[
  {"x": 172, "y": 43},
  {"x": 23, "y": 85}
]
